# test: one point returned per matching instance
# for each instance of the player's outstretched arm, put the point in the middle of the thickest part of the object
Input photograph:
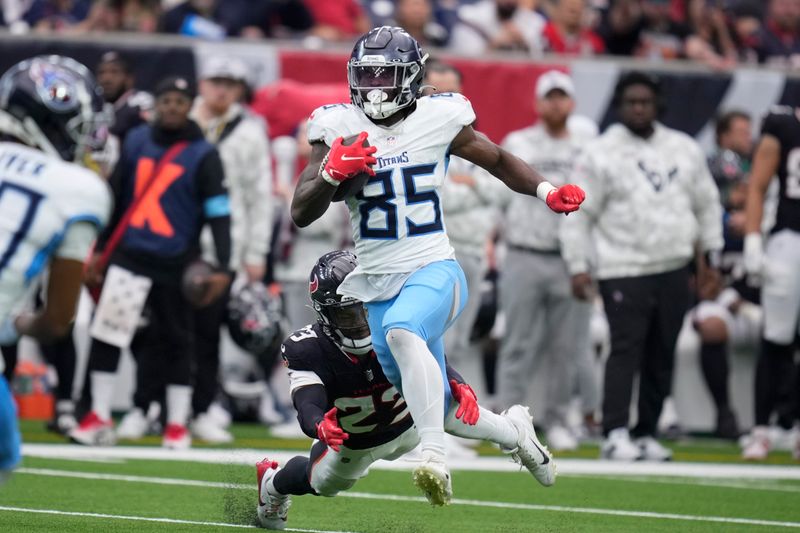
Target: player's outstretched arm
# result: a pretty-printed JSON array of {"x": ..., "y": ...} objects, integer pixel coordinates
[
  {"x": 313, "y": 194},
  {"x": 63, "y": 289},
  {"x": 765, "y": 165},
  {"x": 513, "y": 171}
]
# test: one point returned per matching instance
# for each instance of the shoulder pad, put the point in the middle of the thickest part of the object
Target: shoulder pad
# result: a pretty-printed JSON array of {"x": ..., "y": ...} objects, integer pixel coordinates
[
  {"x": 328, "y": 122},
  {"x": 449, "y": 106}
]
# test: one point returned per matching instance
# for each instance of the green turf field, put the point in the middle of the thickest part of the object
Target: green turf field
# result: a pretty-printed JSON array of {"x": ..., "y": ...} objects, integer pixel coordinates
[{"x": 156, "y": 495}]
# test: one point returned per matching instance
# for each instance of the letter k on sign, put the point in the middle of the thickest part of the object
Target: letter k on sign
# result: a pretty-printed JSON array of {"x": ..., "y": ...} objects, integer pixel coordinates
[{"x": 149, "y": 210}]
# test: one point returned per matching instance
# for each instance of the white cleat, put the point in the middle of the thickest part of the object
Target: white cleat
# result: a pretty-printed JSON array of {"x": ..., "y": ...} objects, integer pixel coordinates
[
  {"x": 205, "y": 428},
  {"x": 652, "y": 450},
  {"x": 757, "y": 444},
  {"x": 133, "y": 425},
  {"x": 272, "y": 510},
  {"x": 94, "y": 431},
  {"x": 529, "y": 452},
  {"x": 559, "y": 438},
  {"x": 618, "y": 446},
  {"x": 433, "y": 478},
  {"x": 176, "y": 437}
]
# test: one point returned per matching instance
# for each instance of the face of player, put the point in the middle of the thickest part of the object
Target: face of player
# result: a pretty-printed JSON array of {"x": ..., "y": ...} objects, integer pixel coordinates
[
  {"x": 555, "y": 108},
  {"x": 413, "y": 13},
  {"x": 443, "y": 82},
  {"x": 351, "y": 320},
  {"x": 739, "y": 137},
  {"x": 638, "y": 108},
  {"x": 172, "y": 110},
  {"x": 114, "y": 81},
  {"x": 219, "y": 94}
]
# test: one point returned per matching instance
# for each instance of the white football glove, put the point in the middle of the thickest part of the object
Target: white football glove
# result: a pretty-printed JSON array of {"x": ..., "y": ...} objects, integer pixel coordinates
[{"x": 753, "y": 256}]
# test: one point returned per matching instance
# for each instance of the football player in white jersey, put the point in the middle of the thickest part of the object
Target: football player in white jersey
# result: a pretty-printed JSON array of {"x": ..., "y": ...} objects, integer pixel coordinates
[
  {"x": 51, "y": 115},
  {"x": 407, "y": 276}
]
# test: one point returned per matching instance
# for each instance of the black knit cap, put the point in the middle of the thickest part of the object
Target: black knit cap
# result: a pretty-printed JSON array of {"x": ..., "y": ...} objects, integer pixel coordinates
[{"x": 177, "y": 84}]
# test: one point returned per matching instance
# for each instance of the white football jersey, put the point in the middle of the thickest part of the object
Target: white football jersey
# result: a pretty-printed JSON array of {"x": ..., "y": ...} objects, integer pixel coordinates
[
  {"x": 41, "y": 200},
  {"x": 397, "y": 218}
]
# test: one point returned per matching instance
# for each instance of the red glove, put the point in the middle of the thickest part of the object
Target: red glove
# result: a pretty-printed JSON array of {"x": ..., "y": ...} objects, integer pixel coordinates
[
  {"x": 468, "y": 409},
  {"x": 344, "y": 162},
  {"x": 565, "y": 199},
  {"x": 329, "y": 432}
]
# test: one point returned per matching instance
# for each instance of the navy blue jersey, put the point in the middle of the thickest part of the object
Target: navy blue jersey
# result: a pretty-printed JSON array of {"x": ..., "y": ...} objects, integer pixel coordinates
[
  {"x": 783, "y": 123},
  {"x": 370, "y": 409}
]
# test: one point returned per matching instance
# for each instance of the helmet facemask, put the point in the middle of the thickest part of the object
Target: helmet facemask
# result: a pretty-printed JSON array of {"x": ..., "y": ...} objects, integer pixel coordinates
[
  {"x": 382, "y": 88},
  {"x": 347, "y": 320}
]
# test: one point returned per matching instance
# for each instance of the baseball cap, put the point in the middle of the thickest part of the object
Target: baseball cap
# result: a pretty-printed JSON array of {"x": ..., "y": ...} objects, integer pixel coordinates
[
  {"x": 552, "y": 80},
  {"x": 228, "y": 68},
  {"x": 175, "y": 83}
]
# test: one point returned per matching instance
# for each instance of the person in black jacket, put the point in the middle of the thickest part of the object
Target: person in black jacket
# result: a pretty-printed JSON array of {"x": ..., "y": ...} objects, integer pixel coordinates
[{"x": 174, "y": 192}]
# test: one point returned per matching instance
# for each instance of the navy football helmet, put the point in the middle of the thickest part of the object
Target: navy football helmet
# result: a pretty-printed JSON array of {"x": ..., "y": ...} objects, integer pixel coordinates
[
  {"x": 343, "y": 318},
  {"x": 385, "y": 71},
  {"x": 53, "y": 103},
  {"x": 255, "y": 319}
]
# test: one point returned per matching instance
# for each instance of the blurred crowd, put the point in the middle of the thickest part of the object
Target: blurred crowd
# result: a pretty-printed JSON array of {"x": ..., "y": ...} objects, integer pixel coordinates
[{"x": 719, "y": 33}]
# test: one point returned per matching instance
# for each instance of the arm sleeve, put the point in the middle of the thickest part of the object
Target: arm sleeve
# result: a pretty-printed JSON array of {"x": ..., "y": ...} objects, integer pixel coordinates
[
  {"x": 575, "y": 231},
  {"x": 311, "y": 402},
  {"x": 77, "y": 241},
  {"x": 216, "y": 205},
  {"x": 452, "y": 374},
  {"x": 258, "y": 201},
  {"x": 707, "y": 206}
]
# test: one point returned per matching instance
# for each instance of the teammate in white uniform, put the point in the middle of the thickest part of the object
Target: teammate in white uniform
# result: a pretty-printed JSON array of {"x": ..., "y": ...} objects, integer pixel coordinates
[
  {"x": 408, "y": 278},
  {"x": 51, "y": 113}
]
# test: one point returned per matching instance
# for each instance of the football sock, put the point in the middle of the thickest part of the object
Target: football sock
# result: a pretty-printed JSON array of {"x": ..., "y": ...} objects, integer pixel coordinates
[
  {"x": 774, "y": 375},
  {"x": 492, "y": 427},
  {"x": 714, "y": 362},
  {"x": 291, "y": 479},
  {"x": 102, "y": 393},
  {"x": 423, "y": 388},
  {"x": 179, "y": 401}
]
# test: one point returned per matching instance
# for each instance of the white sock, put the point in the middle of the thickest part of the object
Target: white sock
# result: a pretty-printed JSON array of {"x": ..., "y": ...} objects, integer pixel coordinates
[
  {"x": 494, "y": 428},
  {"x": 423, "y": 389},
  {"x": 102, "y": 393},
  {"x": 179, "y": 402}
]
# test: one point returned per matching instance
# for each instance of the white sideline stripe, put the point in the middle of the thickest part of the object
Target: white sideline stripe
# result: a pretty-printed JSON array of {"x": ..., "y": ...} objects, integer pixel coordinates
[
  {"x": 752, "y": 485},
  {"x": 484, "y": 464},
  {"x": 215, "y": 484},
  {"x": 150, "y": 519},
  {"x": 393, "y": 497}
]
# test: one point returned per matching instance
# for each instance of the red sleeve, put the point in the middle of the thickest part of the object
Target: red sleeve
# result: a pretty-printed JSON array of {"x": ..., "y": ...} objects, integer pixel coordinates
[
  {"x": 598, "y": 45},
  {"x": 554, "y": 41}
]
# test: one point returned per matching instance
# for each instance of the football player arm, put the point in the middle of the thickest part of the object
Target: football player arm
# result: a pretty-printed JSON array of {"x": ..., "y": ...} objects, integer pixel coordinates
[
  {"x": 63, "y": 287},
  {"x": 513, "y": 171},
  {"x": 765, "y": 166},
  {"x": 216, "y": 208},
  {"x": 310, "y": 402},
  {"x": 313, "y": 194}
]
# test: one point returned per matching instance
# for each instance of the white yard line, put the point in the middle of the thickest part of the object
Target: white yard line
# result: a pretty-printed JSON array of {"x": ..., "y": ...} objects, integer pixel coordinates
[
  {"x": 148, "y": 519},
  {"x": 493, "y": 464},
  {"x": 393, "y": 497},
  {"x": 746, "y": 485}
]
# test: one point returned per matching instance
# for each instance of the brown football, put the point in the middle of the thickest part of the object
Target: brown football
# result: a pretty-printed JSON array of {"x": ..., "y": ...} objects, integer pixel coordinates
[
  {"x": 195, "y": 281},
  {"x": 349, "y": 187}
]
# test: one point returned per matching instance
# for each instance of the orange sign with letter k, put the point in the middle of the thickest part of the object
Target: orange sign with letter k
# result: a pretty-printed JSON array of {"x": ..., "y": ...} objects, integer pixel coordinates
[{"x": 149, "y": 210}]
